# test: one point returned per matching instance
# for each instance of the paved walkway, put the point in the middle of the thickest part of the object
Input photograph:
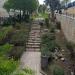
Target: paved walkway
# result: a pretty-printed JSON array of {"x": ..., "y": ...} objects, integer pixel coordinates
[{"x": 32, "y": 57}]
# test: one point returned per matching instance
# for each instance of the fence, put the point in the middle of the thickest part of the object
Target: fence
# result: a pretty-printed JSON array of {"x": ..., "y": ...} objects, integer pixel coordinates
[{"x": 68, "y": 26}]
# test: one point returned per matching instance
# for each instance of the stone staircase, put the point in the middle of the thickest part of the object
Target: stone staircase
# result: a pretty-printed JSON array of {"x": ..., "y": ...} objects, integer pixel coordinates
[
  {"x": 32, "y": 57},
  {"x": 34, "y": 40}
]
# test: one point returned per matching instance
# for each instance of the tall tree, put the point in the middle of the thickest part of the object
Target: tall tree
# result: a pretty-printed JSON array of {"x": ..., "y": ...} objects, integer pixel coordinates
[
  {"x": 54, "y": 5},
  {"x": 24, "y": 5},
  {"x": 42, "y": 8},
  {"x": 27, "y": 6}
]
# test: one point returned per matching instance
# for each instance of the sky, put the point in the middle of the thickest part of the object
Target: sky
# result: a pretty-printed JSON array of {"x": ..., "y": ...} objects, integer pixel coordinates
[{"x": 41, "y": 1}]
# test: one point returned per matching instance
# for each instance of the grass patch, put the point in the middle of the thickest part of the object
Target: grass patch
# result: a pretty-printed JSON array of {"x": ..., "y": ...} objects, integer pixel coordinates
[
  {"x": 7, "y": 66},
  {"x": 26, "y": 71},
  {"x": 4, "y": 49}
]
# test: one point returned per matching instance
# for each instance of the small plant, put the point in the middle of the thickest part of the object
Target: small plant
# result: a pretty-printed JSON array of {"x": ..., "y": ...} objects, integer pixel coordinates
[
  {"x": 70, "y": 46},
  {"x": 25, "y": 71},
  {"x": 4, "y": 49},
  {"x": 48, "y": 44},
  {"x": 47, "y": 22},
  {"x": 58, "y": 71},
  {"x": 19, "y": 38},
  {"x": 4, "y": 32},
  {"x": 7, "y": 66},
  {"x": 17, "y": 52}
]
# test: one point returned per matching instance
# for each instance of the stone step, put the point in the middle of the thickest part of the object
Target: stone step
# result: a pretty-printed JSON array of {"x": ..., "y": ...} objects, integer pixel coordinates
[
  {"x": 35, "y": 29},
  {"x": 33, "y": 43},
  {"x": 34, "y": 39},
  {"x": 34, "y": 46},
  {"x": 32, "y": 49},
  {"x": 34, "y": 36}
]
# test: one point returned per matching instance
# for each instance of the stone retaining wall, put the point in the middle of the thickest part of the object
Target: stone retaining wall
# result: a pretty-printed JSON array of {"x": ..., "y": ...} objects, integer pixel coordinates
[{"x": 68, "y": 26}]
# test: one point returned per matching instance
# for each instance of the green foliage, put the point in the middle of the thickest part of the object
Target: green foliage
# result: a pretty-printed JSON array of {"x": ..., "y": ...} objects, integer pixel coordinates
[
  {"x": 17, "y": 52},
  {"x": 47, "y": 37},
  {"x": 48, "y": 44},
  {"x": 28, "y": 5},
  {"x": 58, "y": 71},
  {"x": 4, "y": 32},
  {"x": 47, "y": 22},
  {"x": 4, "y": 49},
  {"x": 19, "y": 37},
  {"x": 25, "y": 71},
  {"x": 42, "y": 8},
  {"x": 7, "y": 66}
]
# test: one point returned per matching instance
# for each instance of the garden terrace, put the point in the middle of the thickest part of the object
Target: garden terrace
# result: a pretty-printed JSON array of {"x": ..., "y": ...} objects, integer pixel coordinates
[
  {"x": 19, "y": 38},
  {"x": 16, "y": 52},
  {"x": 4, "y": 33},
  {"x": 7, "y": 66},
  {"x": 4, "y": 49}
]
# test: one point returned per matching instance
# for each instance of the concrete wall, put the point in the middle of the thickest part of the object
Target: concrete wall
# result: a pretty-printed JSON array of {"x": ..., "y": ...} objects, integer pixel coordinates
[{"x": 68, "y": 26}]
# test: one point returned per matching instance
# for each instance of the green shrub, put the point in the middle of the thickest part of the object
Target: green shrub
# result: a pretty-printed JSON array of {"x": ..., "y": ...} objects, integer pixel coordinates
[
  {"x": 47, "y": 38},
  {"x": 4, "y": 32},
  {"x": 17, "y": 52},
  {"x": 48, "y": 44},
  {"x": 19, "y": 37},
  {"x": 7, "y": 66},
  {"x": 4, "y": 49},
  {"x": 47, "y": 22},
  {"x": 58, "y": 71},
  {"x": 25, "y": 71}
]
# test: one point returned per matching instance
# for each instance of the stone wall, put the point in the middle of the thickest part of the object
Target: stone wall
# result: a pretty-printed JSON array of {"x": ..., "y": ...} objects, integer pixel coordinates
[{"x": 68, "y": 26}]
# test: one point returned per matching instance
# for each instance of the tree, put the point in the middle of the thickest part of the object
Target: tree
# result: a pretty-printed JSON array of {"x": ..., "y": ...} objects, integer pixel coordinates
[
  {"x": 64, "y": 2},
  {"x": 54, "y": 5},
  {"x": 42, "y": 8},
  {"x": 27, "y": 6},
  {"x": 24, "y": 5}
]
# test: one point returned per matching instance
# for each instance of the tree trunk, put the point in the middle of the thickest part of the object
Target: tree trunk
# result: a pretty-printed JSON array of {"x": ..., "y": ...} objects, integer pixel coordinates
[
  {"x": 20, "y": 16},
  {"x": 52, "y": 15}
]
